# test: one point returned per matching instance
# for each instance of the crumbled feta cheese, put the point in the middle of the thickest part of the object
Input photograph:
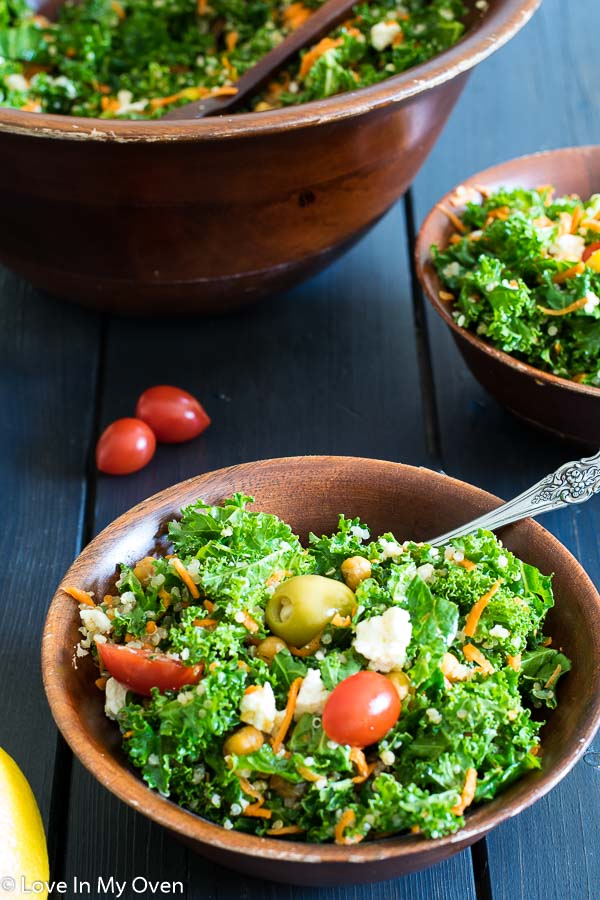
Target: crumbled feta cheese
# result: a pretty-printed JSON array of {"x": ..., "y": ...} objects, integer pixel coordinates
[
  {"x": 592, "y": 302},
  {"x": 258, "y": 707},
  {"x": 499, "y": 631},
  {"x": 216, "y": 800},
  {"x": 447, "y": 14},
  {"x": 387, "y": 757},
  {"x": 157, "y": 581},
  {"x": 326, "y": 639},
  {"x": 390, "y": 549},
  {"x": 425, "y": 572},
  {"x": 452, "y": 270},
  {"x": 116, "y": 697},
  {"x": 383, "y": 639},
  {"x": 239, "y": 617},
  {"x": 312, "y": 695},
  {"x": 434, "y": 715},
  {"x": 124, "y": 99},
  {"x": 361, "y": 534},
  {"x": 383, "y": 34},
  {"x": 552, "y": 330},
  {"x": 198, "y": 774},
  {"x": 569, "y": 247},
  {"x": 462, "y": 714},
  {"x": 95, "y": 622},
  {"x": 502, "y": 561},
  {"x": 227, "y": 531},
  {"x": 227, "y": 824},
  {"x": 127, "y": 602},
  {"x": 16, "y": 82}
]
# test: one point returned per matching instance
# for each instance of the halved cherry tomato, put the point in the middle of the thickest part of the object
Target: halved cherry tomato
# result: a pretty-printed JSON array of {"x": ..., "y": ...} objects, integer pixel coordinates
[
  {"x": 361, "y": 709},
  {"x": 124, "y": 447},
  {"x": 173, "y": 415},
  {"x": 140, "y": 669},
  {"x": 590, "y": 250}
]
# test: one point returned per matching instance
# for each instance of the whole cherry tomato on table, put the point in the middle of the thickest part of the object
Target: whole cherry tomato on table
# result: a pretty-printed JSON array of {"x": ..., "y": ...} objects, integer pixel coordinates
[
  {"x": 124, "y": 447},
  {"x": 140, "y": 670},
  {"x": 361, "y": 709},
  {"x": 173, "y": 415}
]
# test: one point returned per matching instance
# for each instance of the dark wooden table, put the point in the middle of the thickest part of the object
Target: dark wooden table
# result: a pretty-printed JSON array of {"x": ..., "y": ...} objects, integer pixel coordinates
[{"x": 349, "y": 363}]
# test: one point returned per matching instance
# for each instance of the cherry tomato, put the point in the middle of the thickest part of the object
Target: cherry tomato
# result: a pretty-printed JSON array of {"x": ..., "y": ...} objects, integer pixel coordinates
[
  {"x": 589, "y": 251},
  {"x": 124, "y": 447},
  {"x": 173, "y": 415},
  {"x": 361, "y": 709},
  {"x": 140, "y": 669}
]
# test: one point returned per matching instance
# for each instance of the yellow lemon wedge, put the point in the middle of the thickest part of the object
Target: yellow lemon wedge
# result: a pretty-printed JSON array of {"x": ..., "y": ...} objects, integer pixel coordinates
[{"x": 23, "y": 853}]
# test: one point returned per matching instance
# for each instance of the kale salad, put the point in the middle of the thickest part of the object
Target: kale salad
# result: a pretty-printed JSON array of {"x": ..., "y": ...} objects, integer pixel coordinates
[
  {"x": 336, "y": 692},
  {"x": 522, "y": 271},
  {"x": 136, "y": 59}
]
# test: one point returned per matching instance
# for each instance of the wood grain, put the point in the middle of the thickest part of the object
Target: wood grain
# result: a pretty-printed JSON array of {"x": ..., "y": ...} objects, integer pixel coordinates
[{"x": 43, "y": 448}]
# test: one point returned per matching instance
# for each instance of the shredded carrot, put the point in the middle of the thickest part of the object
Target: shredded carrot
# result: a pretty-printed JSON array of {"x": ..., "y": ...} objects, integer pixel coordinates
[
  {"x": 79, "y": 595},
  {"x": 252, "y": 688},
  {"x": 214, "y": 665},
  {"x": 467, "y": 564},
  {"x": 572, "y": 307},
  {"x": 101, "y": 683},
  {"x": 31, "y": 106},
  {"x": 460, "y": 226},
  {"x": 165, "y": 597},
  {"x": 446, "y": 296},
  {"x": 249, "y": 623},
  {"x": 535, "y": 750},
  {"x": 296, "y": 15},
  {"x": 256, "y": 811},
  {"x": 185, "y": 577},
  {"x": 243, "y": 665},
  {"x": 580, "y": 377},
  {"x": 231, "y": 40},
  {"x": 202, "y": 7},
  {"x": 340, "y": 622},
  {"x": 205, "y": 623},
  {"x": 289, "y": 714},
  {"x": 576, "y": 219},
  {"x": 554, "y": 676},
  {"x": 514, "y": 662},
  {"x": 468, "y": 792},
  {"x": 315, "y": 53},
  {"x": 473, "y": 654},
  {"x": 477, "y": 609},
  {"x": 151, "y": 627},
  {"x": 591, "y": 225},
  {"x": 358, "y": 758},
  {"x": 127, "y": 734},
  {"x": 359, "y": 779},
  {"x": 129, "y": 638},
  {"x": 209, "y": 606},
  {"x": 577, "y": 269},
  {"x": 415, "y": 829},
  {"x": 501, "y": 212},
  {"x": 285, "y": 829},
  {"x": 346, "y": 820},
  {"x": 226, "y": 90},
  {"x": 308, "y": 774},
  {"x": 248, "y": 789},
  {"x": 308, "y": 649},
  {"x": 118, "y": 9},
  {"x": 109, "y": 104},
  {"x": 455, "y": 239},
  {"x": 547, "y": 642}
]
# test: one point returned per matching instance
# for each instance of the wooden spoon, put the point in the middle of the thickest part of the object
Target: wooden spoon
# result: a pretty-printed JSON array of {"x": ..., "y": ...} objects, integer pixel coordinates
[{"x": 316, "y": 26}]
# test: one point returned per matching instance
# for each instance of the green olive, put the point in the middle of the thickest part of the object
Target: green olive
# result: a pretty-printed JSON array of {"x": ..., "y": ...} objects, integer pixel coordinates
[{"x": 301, "y": 607}]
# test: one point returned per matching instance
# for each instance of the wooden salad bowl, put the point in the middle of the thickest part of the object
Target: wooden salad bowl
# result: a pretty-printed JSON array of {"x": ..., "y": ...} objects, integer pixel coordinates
[
  {"x": 309, "y": 493},
  {"x": 192, "y": 216},
  {"x": 557, "y": 405}
]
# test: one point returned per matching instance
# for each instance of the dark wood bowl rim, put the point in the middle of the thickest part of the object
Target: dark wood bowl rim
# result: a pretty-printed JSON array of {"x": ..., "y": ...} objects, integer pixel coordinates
[
  {"x": 495, "y": 29},
  {"x": 431, "y": 284},
  {"x": 166, "y": 813}
]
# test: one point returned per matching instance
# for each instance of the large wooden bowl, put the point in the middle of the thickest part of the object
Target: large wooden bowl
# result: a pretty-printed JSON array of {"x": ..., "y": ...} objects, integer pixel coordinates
[
  {"x": 201, "y": 216},
  {"x": 309, "y": 492},
  {"x": 555, "y": 404}
]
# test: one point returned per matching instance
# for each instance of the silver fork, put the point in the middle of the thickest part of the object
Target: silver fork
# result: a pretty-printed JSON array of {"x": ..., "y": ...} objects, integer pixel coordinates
[{"x": 573, "y": 482}]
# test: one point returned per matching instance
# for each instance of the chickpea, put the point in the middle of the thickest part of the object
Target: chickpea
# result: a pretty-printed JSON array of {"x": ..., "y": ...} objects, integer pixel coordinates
[
  {"x": 301, "y": 607},
  {"x": 354, "y": 570},
  {"x": 144, "y": 570},
  {"x": 243, "y": 741},
  {"x": 401, "y": 682},
  {"x": 269, "y": 648}
]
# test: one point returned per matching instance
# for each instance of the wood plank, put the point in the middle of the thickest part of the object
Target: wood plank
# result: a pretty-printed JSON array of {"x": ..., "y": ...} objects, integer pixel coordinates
[
  {"x": 329, "y": 368},
  {"x": 539, "y": 92},
  {"x": 48, "y": 358}
]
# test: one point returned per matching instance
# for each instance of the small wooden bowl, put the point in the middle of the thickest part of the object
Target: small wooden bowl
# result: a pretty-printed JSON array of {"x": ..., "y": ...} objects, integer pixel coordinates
[
  {"x": 557, "y": 405},
  {"x": 151, "y": 217},
  {"x": 309, "y": 492}
]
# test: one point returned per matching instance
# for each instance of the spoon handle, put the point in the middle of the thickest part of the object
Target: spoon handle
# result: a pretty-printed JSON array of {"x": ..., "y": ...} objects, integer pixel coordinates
[
  {"x": 332, "y": 13},
  {"x": 573, "y": 482}
]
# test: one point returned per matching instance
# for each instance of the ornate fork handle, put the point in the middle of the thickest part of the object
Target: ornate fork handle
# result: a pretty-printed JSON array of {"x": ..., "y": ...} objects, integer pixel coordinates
[{"x": 574, "y": 482}]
